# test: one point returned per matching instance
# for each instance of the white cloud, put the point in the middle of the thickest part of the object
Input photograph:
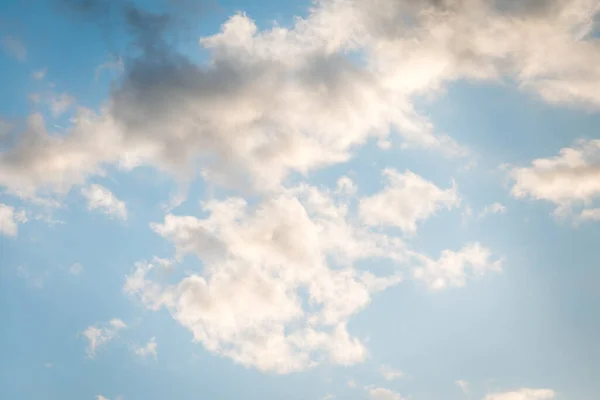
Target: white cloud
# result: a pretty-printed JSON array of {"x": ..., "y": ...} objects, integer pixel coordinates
[
  {"x": 61, "y": 103},
  {"x": 99, "y": 335},
  {"x": 14, "y": 47},
  {"x": 491, "y": 209},
  {"x": 100, "y": 397},
  {"x": 523, "y": 394},
  {"x": 406, "y": 200},
  {"x": 390, "y": 373},
  {"x": 329, "y": 397},
  {"x": 450, "y": 270},
  {"x": 351, "y": 383},
  {"x": 99, "y": 197},
  {"x": 569, "y": 180},
  {"x": 463, "y": 385},
  {"x": 39, "y": 75},
  {"x": 242, "y": 116},
  {"x": 148, "y": 350},
  {"x": 376, "y": 393},
  {"x": 75, "y": 269},
  {"x": 267, "y": 255},
  {"x": 10, "y": 220}
]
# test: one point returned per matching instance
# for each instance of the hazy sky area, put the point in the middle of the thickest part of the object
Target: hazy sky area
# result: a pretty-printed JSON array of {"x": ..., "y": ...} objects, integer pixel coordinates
[{"x": 300, "y": 200}]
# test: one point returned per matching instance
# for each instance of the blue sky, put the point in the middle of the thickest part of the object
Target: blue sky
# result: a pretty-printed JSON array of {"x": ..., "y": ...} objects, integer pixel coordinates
[{"x": 331, "y": 200}]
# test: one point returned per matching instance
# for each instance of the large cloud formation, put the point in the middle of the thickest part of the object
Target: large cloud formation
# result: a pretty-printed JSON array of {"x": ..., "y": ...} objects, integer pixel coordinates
[
  {"x": 281, "y": 278},
  {"x": 293, "y": 99}
]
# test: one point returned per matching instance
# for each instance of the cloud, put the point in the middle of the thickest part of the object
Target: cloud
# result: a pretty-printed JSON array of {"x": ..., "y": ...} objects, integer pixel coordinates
[
  {"x": 100, "y": 397},
  {"x": 269, "y": 255},
  {"x": 491, "y": 209},
  {"x": 39, "y": 74},
  {"x": 463, "y": 385},
  {"x": 450, "y": 270},
  {"x": 523, "y": 394},
  {"x": 61, "y": 103},
  {"x": 406, "y": 200},
  {"x": 329, "y": 397},
  {"x": 10, "y": 220},
  {"x": 390, "y": 373},
  {"x": 75, "y": 269},
  {"x": 148, "y": 350},
  {"x": 99, "y": 197},
  {"x": 351, "y": 383},
  {"x": 14, "y": 47},
  {"x": 569, "y": 180},
  {"x": 376, "y": 393},
  {"x": 240, "y": 118},
  {"x": 99, "y": 335}
]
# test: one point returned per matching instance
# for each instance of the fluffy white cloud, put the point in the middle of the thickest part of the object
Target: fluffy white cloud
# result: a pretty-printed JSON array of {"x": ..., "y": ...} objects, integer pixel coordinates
[
  {"x": 390, "y": 373},
  {"x": 406, "y": 200},
  {"x": 523, "y": 394},
  {"x": 242, "y": 116},
  {"x": 463, "y": 385},
  {"x": 452, "y": 268},
  {"x": 150, "y": 349},
  {"x": 99, "y": 197},
  {"x": 10, "y": 220},
  {"x": 99, "y": 335},
  {"x": 570, "y": 179},
  {"x": 296, "y": 248},
  {"x": 376, "y": 393}
]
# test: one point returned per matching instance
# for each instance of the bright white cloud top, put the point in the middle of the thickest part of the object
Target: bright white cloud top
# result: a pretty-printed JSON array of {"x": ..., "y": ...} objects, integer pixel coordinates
[{"x": 297, "y": 198}]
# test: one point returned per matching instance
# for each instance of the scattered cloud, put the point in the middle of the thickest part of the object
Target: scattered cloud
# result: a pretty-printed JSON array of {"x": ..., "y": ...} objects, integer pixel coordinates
[
  {"x": 115, "y": 65},
  {"x": 99, "y": 197},
  {"x": 329, "y": 396},
  {"x": 450, "y": 270},
  {"x": 10, "y": 220},
  {"x": 491, "y": 209},
  {"x": 75, "y": 269},
  {"x": 39, "y": 74},
  {"x": 523, "y": 394},
  {"x": 570, "y": 180},
  {"x": 390, "y": 373},
  {"x": 377, "y": 393},
  {"x": 406, "y": 200},
  {"x": 352, "y": 384},
  {"x": 61, "y": 103},
  {"x": 99, "y": 335},
  {"x": 148, "y": 350},
  {"x": 14, "y": 47},
  {"x": 463, "y": 385}
]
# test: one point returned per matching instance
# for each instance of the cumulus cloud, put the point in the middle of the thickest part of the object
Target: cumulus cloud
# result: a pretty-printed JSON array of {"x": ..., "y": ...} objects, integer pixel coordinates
[
  {"x": 569, "y": 180},
  {"x": 453, "y": 269},
  {"x": 150, "y": 349},
  {"x": 14, "y": 47},
  {"x": 99, "y": 335},
  {"x": 406, "y": 200},
  {"x": 99, "y": 197},
  {"x": 271, "y": 256},
  {"x": 390, "y": 373},
  {"x": 10, "y": 220},
  {"x": 376, "y": 393},
  {"x": 241, "y": 117},
  {"x": 523, "y": 394}
]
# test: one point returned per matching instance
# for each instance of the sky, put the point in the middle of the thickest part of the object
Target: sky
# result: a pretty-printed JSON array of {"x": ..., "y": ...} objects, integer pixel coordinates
[{"x": 336, "y": 199}]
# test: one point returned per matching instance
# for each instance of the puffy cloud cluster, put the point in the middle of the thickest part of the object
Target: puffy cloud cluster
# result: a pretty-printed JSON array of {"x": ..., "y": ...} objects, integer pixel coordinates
[
  {"x": 569, "y": 180},
  {"x": 10, "y": 220},
  {"x": 280, "y": 279},
  {"x": 280, "y": 100},
  {"x": 100, "y": 335},
  {"x": 99, "y": 197}
]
